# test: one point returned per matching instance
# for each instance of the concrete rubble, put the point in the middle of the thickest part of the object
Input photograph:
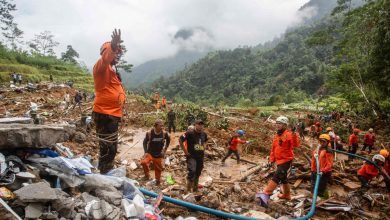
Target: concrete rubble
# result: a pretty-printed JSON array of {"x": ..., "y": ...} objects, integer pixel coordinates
[{"x": 32, "y": 136}]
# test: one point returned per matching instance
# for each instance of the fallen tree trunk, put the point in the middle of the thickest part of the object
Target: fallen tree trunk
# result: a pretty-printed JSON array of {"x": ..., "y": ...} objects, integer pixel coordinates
[{"x": 248, "y": 173}]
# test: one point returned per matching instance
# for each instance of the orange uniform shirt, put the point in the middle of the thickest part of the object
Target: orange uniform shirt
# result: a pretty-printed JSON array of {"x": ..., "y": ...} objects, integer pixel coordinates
[
  {"x": 234, "y": 143},
  {"x": 325, "y": 159},
  {"x": 109, "y": 93},
  {"x": 353, "y": 139},
  {"x": 282, "y": 147},
  {"x": 369, "y": 171},
  {"x": 369, "y": 139},
  {"x": 164, "y": 101}
]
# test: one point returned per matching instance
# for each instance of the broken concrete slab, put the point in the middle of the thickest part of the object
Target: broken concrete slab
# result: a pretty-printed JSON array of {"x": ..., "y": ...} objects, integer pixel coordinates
[
  {"x": 87, "y": 198},
  {"x": 36, "y": 192},
  {"x": 111, "y": 195},
  {"x": 25, "y": 175},
  {"x": 33, "y": 210},
  {"x": 64, "y": 205},
  {"x": 96, "y": 211},
  {"x": 33, "y": 136},
  {"x": 16, "y": 120}
]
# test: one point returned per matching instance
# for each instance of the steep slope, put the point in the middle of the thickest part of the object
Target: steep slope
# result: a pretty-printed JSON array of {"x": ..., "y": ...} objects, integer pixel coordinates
[
  {"x": 35, "y": 68},
  {"x": 284, "y": 70},
  {"x": 291, "y": 70}
]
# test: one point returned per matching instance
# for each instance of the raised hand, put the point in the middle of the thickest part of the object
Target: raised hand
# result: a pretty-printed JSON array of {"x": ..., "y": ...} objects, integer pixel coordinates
[{"x": 116, "y": 39}]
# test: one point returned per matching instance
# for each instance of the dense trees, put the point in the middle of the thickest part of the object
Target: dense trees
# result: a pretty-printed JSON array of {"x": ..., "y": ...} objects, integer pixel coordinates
[{"x": 347, "y": 53}]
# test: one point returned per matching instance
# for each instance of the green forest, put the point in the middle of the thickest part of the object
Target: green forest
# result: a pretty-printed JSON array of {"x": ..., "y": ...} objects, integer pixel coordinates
[{"x": 344, "y": 54}]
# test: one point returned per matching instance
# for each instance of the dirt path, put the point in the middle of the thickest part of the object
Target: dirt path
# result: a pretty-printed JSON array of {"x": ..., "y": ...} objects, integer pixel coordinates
[{"x": 131, "y": 149}]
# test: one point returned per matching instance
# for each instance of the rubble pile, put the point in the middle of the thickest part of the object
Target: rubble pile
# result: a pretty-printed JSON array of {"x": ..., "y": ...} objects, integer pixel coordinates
[{"x": 48, "y": 161}]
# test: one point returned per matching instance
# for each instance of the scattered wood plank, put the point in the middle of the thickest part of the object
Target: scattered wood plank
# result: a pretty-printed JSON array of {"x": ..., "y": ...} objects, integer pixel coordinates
[
  {"x": 248, "y": 173},
  {"x": 297, "y": 183},
  {"x": 352, "y": 185},
  {"x": 244, "y": 160}
]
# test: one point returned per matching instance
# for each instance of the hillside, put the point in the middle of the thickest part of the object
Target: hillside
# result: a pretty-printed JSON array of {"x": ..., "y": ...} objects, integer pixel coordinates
[
  {"x": 154, "y": 69},
  {"x": 37, "y": 68},
  {"x": 287, "y": 72}
]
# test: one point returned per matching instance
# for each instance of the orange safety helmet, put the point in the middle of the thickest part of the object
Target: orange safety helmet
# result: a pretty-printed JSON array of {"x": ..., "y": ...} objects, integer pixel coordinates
[
  {"x": 325, "y": 137},
  {"x": 384, "y": 153}
]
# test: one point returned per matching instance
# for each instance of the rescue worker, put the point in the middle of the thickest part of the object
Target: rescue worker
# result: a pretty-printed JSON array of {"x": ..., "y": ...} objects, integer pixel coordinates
[
  {"x": 386, "y": 167},
  {"x": 334, "y": 139},
  {"x": 171, "y": 120},
  {"x": 325, "y": 159},
  {"x": 164, "y": 102},
  {"x": 301, "y": 129},
  {"x": 369, "y": 140},
  {"x": 368, "y": 171},
  {"x": 196, "y": 141},
  {"x": 156, "y": 97},
  {"x": 353, "y": 142},
  {"x": 20, "y": 79},
  {"x": 385, "y": 153},
  {"x": 153, "y": 144},
  {"x": 282, "y": 154},
  {"x": 77, "y": 100},
  {"x": 109, "y": 100},
  {"x": 233, "y": 145},
  {"x": 85, "y": 95},
  {"x": 189, "y": 129},
  {"x": 158, "y": 105},
  {"x": 318, "y": 129},
  {"x": 14, "y": 78}
]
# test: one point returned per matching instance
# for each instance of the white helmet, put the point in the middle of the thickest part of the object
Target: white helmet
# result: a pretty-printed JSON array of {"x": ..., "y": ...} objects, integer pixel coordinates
[
  {"x": 190, "y": 128},
  {"x": 282, "y": 119},
  {"x": 378, "y": 157}
]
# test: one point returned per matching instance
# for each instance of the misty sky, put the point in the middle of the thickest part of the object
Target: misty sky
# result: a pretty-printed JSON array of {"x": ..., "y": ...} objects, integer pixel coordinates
[{"x": 154, "y": 29}]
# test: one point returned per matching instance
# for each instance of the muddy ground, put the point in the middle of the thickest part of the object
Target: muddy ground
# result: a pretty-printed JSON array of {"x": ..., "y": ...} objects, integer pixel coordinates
[{"x": 221, "y": 186}]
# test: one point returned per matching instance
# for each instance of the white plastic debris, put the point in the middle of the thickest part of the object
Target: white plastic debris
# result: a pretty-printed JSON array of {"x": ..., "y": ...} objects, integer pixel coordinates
[
  {"x": 33, "y": 106},
  {"x": 133, "y": 165},
  {"x": 130, "y": 210},
  {"x": 3, "y": 165},
  {"x": 139, "y": 205},
  {"x": 167, "y": 161},
  {"x": 207, "y": 181}
]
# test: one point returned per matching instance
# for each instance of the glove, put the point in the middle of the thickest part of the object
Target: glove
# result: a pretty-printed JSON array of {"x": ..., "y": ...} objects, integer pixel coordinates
[{"x": 248, "y": 142}]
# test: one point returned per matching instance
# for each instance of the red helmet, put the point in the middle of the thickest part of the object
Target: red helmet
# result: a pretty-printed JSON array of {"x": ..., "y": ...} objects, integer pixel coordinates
[{"x": 355, "y": 130}]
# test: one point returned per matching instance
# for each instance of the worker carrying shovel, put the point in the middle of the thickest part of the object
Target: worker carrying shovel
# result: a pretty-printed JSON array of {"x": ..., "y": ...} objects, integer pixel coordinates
[
  {"x": 282, "y": 154},
  {"x": 109, "y": 100}
]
